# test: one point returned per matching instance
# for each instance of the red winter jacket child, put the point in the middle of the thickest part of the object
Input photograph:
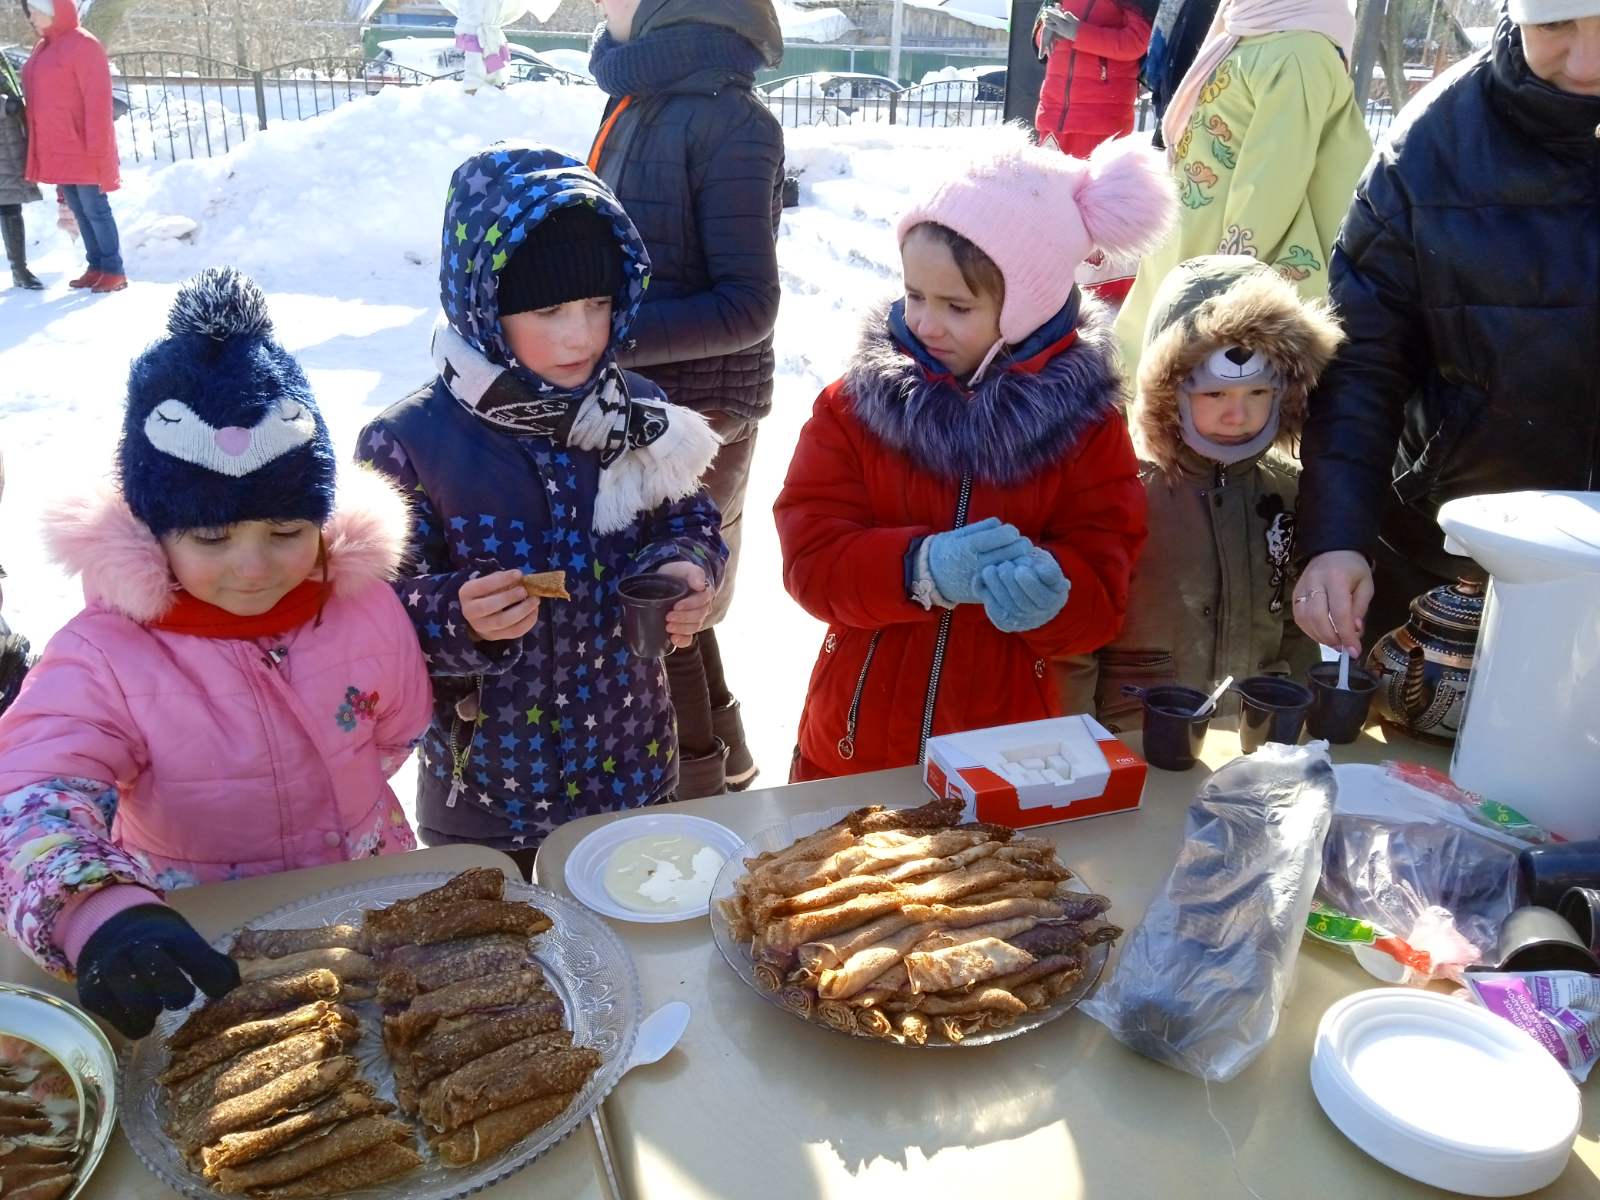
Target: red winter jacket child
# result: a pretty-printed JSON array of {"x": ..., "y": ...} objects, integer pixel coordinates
[
  {"x": 1042, "y": 444},
  {"x": 67, "y": 81},
  {"x": 1091, "y": 81}
]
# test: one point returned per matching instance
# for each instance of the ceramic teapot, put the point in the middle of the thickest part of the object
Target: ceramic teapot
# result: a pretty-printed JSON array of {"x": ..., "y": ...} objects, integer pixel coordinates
[{"x": 1424, "y": 665}]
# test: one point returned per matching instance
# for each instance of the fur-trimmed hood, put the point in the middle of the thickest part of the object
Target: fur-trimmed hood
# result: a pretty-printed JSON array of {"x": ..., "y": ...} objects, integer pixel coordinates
[
  {"x": 1031, "y": 406},
  {"x": 124, "y": 568},
  {"x": 1225, "y": 300}
]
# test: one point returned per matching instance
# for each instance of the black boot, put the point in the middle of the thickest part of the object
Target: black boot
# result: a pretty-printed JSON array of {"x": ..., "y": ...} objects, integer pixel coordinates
[
  {"x": 703, "y": 775},
  {"x": 16, "y": 239},
  {"x": 741, "y": 768}
]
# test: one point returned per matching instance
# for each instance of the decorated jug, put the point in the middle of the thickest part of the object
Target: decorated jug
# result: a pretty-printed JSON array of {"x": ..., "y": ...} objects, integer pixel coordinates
[{"x": 1423, "y": 666}]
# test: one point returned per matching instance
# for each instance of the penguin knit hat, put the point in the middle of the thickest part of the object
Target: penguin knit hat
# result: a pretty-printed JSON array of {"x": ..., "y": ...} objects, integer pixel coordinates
[
  {"x": 1038, "y": 213},
  {"x": 220, "y": 425}
]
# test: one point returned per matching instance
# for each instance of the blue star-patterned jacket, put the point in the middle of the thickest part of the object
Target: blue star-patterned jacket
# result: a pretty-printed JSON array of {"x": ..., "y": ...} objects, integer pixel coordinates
[{"x": 570, "y": 723}]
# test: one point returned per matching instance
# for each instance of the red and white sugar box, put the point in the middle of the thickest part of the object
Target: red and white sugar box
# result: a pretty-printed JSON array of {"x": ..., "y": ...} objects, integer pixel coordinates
[{"x": 1036, "y": 773}]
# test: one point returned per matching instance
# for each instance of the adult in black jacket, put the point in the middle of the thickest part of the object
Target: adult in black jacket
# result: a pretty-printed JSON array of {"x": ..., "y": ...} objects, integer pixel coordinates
[
  {"x": 1467, "y": 278},
  {"x": 697, "y": 161}
]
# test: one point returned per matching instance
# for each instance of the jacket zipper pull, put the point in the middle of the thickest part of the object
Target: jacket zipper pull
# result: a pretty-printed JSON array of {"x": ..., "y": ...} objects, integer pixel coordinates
[
  {"x": 1104, "y": 74},
  {"x": 1221, "y": 479},
  {"x": 274, "y": 657}
]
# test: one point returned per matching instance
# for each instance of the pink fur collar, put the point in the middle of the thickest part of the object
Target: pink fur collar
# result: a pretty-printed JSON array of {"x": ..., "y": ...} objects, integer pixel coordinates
[{"x": 124, "y": 568}]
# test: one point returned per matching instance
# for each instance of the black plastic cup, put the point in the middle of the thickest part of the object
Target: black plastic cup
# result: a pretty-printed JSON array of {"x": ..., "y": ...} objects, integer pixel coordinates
[
  {"x": 646, "y": 600},
  {"x": 1536, "y": 939},
  {"x": 1335, "y": 715},
  {"x": 1172, "y": 733},
  {"x": 1580, "y": 908},
  {"x": 1272, "y": 709},
  {"x": 1546, "y": 873}
]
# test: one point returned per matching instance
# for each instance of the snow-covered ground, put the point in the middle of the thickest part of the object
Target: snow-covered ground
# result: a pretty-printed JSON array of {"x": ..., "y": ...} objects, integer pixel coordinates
[{"x": 338, "y": 220}]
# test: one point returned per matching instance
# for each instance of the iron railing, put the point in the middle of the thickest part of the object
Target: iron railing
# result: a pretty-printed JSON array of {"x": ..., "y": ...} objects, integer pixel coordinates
[{"x": 188, "y": 106}]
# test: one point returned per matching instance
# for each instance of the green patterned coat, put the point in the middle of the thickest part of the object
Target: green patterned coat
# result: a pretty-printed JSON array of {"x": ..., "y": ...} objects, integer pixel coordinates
[{"x": 1267, "y": 167}]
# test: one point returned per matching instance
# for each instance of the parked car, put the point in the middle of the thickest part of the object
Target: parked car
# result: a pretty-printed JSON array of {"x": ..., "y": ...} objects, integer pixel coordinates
[
  {"x": 440, "y": 59},
  {"x": 830, "y": 98},
  {"x": 991, "y": 83}
]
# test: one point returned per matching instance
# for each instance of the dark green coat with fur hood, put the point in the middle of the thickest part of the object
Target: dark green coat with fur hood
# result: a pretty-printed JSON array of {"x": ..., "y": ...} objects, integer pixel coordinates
[{"x": 1211, "y": 594}]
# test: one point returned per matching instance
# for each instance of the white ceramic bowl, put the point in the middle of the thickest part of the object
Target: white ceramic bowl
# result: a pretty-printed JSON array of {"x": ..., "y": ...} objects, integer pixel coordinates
[
  {"x": 1445, "y": 1092},
  {"x": 586, "y": 865}
]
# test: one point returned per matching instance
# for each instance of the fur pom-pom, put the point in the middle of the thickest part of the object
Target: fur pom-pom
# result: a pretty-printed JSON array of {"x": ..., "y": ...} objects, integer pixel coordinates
[
  {"x": 220, "y": 302},
  {"x": 366, "y": 536},
  {"x": 1127, "y": 200}
]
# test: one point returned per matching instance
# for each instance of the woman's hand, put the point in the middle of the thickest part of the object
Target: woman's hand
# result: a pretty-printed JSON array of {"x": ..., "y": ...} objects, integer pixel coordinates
[
  {"x": 1331, "y": 599},
  {"x": 688, "y": 615},
  {"x": 497, "y": 607}
]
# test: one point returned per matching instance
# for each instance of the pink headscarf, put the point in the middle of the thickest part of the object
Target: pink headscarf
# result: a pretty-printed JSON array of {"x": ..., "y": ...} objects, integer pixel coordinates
[{"x": 1237, "y": 19}]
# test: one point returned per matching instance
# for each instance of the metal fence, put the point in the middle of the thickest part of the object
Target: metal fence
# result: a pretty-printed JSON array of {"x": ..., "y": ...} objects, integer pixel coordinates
[
  {"x": 188, "y": 106},
  {"x": 836, "y": 100}
]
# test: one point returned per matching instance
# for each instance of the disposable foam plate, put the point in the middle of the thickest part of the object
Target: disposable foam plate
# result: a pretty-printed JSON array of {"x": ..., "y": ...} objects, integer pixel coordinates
[
  {"x": 1445, "y": 1092},
  {"x": 586, "y": 865}
]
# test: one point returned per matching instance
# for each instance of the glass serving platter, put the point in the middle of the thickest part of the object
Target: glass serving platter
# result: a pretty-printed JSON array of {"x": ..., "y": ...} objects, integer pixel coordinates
[
  {"x": 584, "y": 962},
  {"x": 737, "y": 955}
]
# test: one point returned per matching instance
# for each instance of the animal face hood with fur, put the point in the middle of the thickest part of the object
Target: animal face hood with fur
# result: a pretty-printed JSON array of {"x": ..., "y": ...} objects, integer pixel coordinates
[{"x": 1216, "y": 301}]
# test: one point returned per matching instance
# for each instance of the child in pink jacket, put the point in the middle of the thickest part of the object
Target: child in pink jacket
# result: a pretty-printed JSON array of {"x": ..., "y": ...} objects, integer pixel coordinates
[{"x": 240, "y": 685}]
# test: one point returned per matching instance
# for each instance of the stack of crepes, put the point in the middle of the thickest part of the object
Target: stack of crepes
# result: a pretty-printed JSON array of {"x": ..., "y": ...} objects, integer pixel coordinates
[
  {"x": 474, "y": 1033},
  {"x": 264, "y": 1097},
  {"x": 908, "y": 926},
  {"x": 38, "y": 1146}
]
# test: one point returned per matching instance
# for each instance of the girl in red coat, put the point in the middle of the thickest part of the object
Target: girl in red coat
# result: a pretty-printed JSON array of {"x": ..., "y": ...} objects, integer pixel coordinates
[
  {"x": 1091, "y": 50},
  {"x": 965, "y": 505},
  {"x": 71, "y": 139}
]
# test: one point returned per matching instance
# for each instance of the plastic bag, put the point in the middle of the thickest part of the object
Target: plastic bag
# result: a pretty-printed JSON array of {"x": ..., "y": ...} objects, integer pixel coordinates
[
  {"x": 1419, "y": 871},
  {"x": 1202, "y": 978}
]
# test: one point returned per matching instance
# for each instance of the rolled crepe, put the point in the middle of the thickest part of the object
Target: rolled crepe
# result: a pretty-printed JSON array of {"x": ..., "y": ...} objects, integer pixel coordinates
[
  {"x": 291, "y": 1090},
  {"x": 467, "y": 918},
  {"x": 279, "y": 943},
  {"x": 984, "y": 999},
  {"x": 443, "y": 1052},
  {"x": 15, "y": 1178},
  {"x": 34, "y": 1150},
  {"x": 468, "y": 958},
  {"x": 1043, "y": 968},
  {"x": 458, "y": 1099},
  {"x": 913, "y": 1027},
  {"x": 252, "y": 999},
  {"x": 1050, "y": 937},
  {"x": 934, "y": 813},
  {"x": 468, "y": 996},
  {"x": 16, "y": 1079},
  {"x": 472, "y": 1074},
  {"x": 247, "y": 1145},
  {"x": 259, "y": 1067},
  {"x": 836, "y": 1014},
  {"x": 875, "y": 1022},
  {"x": 51, "y": 1188},
  {"x": 350, "y": 966},
  {"x": 17, "y": 1105},
  {"x": 478, "y": 883},
  {"x": 13, "y": 1125},
  {"x": 963, "y": 965},
  {"x": 822, "y": 897},
  {"x": 220, "y": 1048},
  {"x": 386, "y": 1160},
  {"x": 919, "y": 868},
  {"x": 326, "y": 1145},
  {"x": 489, "y": 1135}
]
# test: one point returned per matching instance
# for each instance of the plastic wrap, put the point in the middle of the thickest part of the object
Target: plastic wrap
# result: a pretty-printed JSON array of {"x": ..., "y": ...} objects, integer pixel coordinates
[
  {"x": 1202, "y": 978},
  {"x": 1417, "y": 870}
]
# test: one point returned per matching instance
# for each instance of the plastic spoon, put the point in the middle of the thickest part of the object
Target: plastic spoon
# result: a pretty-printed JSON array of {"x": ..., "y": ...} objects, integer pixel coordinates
[
  {"x": 1211, "y": 700},
  {"x": 1344, "y": 670},
  {"x": 658, "y": 1034}
]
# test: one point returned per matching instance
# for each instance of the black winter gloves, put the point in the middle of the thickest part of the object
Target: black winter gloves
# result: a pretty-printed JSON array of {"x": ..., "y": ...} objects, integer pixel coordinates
[{"x": 141, "y": 961}]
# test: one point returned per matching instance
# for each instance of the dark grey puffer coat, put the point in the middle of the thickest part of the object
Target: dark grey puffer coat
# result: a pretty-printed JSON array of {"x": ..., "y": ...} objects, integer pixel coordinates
[
  {"x": 14, "y": 189},
  {"x": 698, "y": 165}
]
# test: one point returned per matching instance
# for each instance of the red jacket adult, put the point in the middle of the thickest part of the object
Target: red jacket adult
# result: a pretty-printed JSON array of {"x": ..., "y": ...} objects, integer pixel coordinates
[
  {"x": 1092, "y": 81},
  {"x": 880, "y": 464},
  {"x": 67, "y": 80}
]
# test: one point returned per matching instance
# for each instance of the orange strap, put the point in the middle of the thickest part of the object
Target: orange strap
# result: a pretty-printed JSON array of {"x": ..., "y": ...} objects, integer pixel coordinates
[{"x": 605, "y": 132}]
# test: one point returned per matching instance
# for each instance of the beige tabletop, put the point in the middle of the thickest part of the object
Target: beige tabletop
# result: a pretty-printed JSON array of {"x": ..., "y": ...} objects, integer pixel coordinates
[
  {"x": 570, "y": 1169},
  {"x": 754, "y": 1103}
]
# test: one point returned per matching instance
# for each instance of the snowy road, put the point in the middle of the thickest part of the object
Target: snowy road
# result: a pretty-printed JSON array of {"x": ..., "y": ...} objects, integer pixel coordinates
[{"x": 337, "y": 218}]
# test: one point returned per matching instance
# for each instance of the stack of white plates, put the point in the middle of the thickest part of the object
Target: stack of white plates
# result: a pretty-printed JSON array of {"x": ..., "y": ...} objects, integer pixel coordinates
[{"x": 1445, "y": 1092}]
